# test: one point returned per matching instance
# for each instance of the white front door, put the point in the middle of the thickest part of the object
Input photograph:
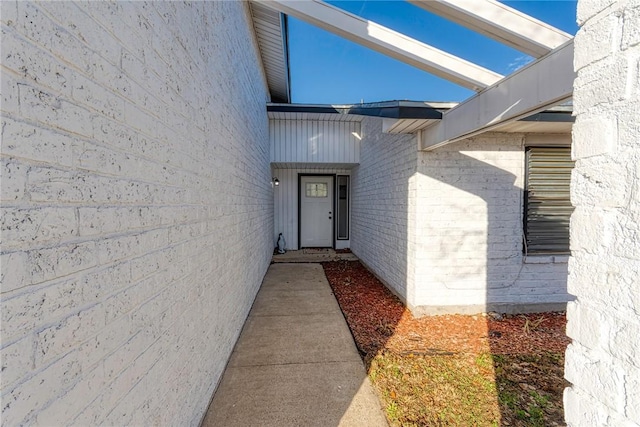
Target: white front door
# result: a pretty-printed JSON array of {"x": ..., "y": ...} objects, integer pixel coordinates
[{"x": 316, "y": 211}]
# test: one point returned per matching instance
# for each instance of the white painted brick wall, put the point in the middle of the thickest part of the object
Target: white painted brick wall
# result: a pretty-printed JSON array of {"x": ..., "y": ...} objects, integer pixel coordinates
[
  {"x": 469, "y": 232},
  {"x": 137, "y": 211},
  {"x": 604, "y": 324},
  {"x": 444, "y": 229},
  {"x": 382, "y": 213}
]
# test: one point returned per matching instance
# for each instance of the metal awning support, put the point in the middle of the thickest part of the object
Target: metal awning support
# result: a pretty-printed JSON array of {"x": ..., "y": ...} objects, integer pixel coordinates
[
  {"x": 500, "y": 22},
  {"x": 388, "y": 42},
  {"x": 534, "y": 88}
]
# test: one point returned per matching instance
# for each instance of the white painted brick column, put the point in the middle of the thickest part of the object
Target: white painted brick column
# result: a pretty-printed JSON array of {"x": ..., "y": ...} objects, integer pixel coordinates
[{"x": 603, "y": 361}]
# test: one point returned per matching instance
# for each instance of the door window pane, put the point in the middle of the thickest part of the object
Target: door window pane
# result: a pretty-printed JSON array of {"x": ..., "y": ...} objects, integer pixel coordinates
[{"x": 316, "y": 189}]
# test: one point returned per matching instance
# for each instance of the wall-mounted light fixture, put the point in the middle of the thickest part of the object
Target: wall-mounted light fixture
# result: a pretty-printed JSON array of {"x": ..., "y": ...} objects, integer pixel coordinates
[{"x": 275, "y": 181}]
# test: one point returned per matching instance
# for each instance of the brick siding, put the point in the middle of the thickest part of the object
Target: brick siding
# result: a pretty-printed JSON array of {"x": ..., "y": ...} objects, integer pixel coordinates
[{"x": 137, "y": 210}]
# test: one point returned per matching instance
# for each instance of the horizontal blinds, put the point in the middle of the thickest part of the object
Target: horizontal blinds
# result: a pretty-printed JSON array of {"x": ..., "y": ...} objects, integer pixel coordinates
[{"x": 548, "y": 206}]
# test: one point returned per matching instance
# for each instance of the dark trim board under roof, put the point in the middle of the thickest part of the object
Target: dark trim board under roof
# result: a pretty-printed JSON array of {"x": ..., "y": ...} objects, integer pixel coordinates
[
  {"x": 550, "y": 116},
  {"x": 387, "y": 109},
  {"x": 410, "y": 110}
]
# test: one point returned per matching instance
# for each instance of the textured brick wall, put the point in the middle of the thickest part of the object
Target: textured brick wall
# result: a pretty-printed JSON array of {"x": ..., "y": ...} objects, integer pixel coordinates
[
  {"x": 443, "y": 229},
  {"x": 469, "y": 232},
  {"x": 137, "y": 210},
  {"x": 382, "y": 208},
  {"x": 603, "y": 361}
]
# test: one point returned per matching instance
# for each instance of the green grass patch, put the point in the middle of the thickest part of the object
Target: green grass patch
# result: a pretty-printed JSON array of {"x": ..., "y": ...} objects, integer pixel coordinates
[
  {"x": 436, "y": 390},
  {"x": 469, "y": 390}
]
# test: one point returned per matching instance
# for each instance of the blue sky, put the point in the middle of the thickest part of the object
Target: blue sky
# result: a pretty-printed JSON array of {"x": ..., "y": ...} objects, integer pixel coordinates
[{"x": 327, "y": 69}]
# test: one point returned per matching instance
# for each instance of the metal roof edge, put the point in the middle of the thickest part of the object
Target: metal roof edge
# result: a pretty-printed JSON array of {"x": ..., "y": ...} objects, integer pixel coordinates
[
  {"x": 409, "y": 110},
  {"x": 390, "y": 109}
]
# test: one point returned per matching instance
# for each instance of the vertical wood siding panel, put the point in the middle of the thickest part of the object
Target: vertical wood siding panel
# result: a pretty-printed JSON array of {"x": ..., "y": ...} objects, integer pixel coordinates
[
  {"x": 349, "y": 144},
  {"x": 344, "y": 145},
  {"x": 282, "y": 139},
  {"x": 276, "y": 141},
  {"x": 304, "y": 134},
  {"x": 358, "y": 143},
  {"x": 294, "y": 149},
  {"x": 314, "y": 141},
  {"x": 272, "y": 145},
  {"x": 286, "y": 136},
  {"x": 327, "y": 142},
  {"x": 316, "y": 130},
  {"x": 329, "y": 132}
]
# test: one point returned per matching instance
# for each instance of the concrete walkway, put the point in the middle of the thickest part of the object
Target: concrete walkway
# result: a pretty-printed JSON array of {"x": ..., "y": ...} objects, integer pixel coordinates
[{"x": 295, "y": 363}]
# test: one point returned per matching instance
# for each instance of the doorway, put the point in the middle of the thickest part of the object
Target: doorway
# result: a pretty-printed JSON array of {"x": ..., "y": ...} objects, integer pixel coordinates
[{"x": 316, "y": 211}]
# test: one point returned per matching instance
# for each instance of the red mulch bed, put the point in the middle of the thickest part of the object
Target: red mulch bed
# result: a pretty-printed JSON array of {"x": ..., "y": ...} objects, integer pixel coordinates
[
  {"x": 499, "y": 370},
  {"x": 378, "y": 320}
]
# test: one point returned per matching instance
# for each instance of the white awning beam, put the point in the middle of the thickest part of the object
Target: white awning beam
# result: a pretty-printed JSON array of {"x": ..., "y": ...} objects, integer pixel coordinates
[
  {"x": 500, "y": 22},
  {"x": 387, "y": 42},
  {"x": 536, "y": 87}
]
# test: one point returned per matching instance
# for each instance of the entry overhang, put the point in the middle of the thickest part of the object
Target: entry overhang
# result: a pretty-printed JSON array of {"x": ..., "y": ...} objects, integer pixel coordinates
[
  {"x": 500, "y": 22},
  {"x": 387, "y": 42},
  {"x": 534, "y": 88}
]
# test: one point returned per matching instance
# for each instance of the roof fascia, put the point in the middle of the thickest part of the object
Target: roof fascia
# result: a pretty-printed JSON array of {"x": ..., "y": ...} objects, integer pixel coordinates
[
  {"x": 399, "y": 110},
  {"x": 392, "y": 110},
  {"x": 387, "y": 42},
  {"x": 500, "y": 22},
  {"x": 284, "y": 24},
  {"x": 550, "y": 117},
  {"x": 530, "y": 90}
]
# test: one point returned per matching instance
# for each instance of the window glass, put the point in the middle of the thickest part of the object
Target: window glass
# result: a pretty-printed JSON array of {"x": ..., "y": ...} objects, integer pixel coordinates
[
  {"x": 343, "y": 207},
  {"x": 316, "y": 189}
]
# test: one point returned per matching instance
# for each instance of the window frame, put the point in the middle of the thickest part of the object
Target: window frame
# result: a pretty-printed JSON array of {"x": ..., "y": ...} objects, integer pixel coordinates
[
  {"x": 347, "y": 207},
  {"x": 532, "y": 240}
]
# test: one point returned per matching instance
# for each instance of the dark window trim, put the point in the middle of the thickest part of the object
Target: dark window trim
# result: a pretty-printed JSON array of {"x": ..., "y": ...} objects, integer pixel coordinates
[
  {"x": 527, "y": 250},
  {"x": 348, "y": 207}
]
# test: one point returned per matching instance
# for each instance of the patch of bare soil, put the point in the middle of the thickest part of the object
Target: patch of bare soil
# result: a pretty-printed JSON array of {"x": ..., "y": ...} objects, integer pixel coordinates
[{"x": 453, "y": 369}]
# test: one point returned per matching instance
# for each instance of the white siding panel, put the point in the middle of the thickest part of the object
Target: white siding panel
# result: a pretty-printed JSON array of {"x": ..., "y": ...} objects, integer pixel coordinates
[
  {"x": 285, "y": 198},
  {"x": 314, "y": 141}
]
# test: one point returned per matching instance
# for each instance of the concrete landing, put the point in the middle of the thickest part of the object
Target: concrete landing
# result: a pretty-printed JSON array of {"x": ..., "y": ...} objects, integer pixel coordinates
[
  {"x": 313, "y": 255},
  {"x": 295, "y": 363}
]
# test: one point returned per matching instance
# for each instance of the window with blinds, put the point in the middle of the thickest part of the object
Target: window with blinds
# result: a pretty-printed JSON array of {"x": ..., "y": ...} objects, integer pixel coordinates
[{"x": 547, "y": 205}]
